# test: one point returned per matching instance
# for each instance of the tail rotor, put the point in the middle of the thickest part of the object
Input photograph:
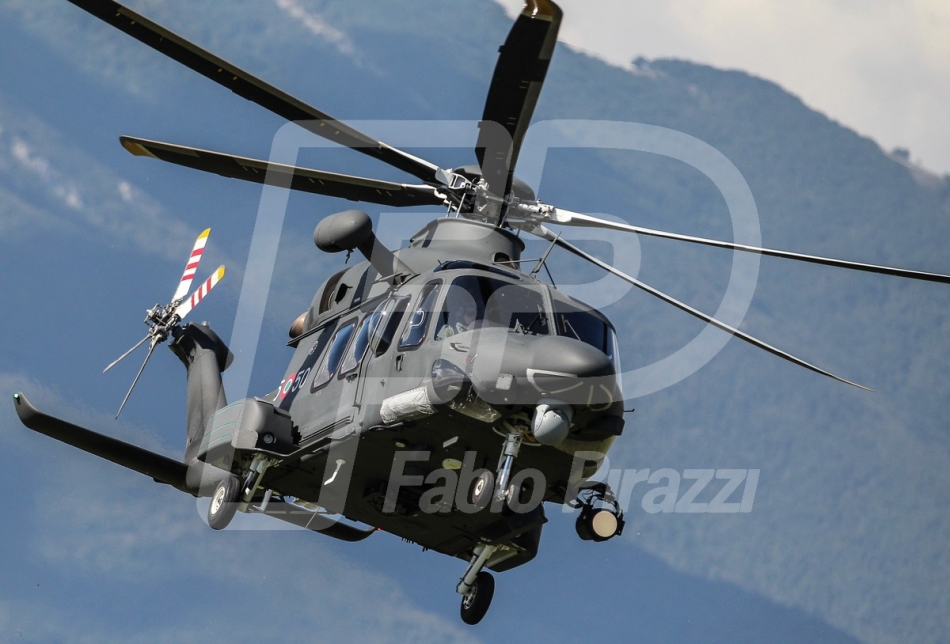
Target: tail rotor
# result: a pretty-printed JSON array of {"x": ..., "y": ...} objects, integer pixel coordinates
[{"x": 161, "y": 319}]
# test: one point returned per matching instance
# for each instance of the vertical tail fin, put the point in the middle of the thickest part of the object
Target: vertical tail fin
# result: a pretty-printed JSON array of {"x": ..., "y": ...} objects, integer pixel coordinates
[{"x": 205, "y": 356}]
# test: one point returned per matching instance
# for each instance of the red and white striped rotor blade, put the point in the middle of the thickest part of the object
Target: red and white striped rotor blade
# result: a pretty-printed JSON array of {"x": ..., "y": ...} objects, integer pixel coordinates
[
  {"x": 192, "y": 266},
  {"x": 199, "y": 294}
]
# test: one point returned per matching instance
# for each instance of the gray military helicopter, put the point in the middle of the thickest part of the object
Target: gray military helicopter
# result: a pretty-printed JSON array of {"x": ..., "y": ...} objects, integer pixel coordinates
[{"x": 440, "y": 392}]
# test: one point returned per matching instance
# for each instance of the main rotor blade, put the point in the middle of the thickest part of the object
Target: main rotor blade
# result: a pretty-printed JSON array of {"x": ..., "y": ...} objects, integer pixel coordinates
[
  {"x": 568, "y": 218},
  {"x": 546, "y": 234},
  {"x": 191, "y": 267},
  {"x": 519, "y": 74},
  {"x": 316, "y": 181},
  {"x": 254, "y": 89}
]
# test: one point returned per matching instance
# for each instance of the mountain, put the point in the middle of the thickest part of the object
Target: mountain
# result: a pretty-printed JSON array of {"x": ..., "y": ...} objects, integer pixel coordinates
[{"x": 846, "y": 537}]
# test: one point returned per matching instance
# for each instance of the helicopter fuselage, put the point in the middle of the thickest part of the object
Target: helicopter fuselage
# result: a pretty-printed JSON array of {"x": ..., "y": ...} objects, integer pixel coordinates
[{"x": 420, "y": 380}]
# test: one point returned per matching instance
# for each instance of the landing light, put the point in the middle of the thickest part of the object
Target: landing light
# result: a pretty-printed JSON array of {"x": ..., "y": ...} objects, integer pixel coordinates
[{"x": 452, "y": 464}]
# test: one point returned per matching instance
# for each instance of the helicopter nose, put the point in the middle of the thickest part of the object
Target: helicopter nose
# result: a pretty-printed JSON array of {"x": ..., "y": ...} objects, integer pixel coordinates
[
  {"x": 569, "y": 356},
  {"x": 523, "y": 369},
  {"x": 562, "y": 365}
]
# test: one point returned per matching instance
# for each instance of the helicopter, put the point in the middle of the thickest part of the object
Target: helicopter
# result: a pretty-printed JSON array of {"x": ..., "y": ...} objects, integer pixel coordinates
[{"x": 447, "y": 362}]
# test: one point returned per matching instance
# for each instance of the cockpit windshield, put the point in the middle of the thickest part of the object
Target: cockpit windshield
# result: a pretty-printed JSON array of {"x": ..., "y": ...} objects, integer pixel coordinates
[{"x": 475, "y": 301}]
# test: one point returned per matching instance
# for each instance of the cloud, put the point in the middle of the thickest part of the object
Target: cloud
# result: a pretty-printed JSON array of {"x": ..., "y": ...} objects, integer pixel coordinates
[
  {"x": 316, "y": 25},
  {"x": 44, "y": 170},
  {"x": 91, "y": 48},
  {"x": 64, "y": 190},
  {"x": 882, "y": 68},
  {"x": 125, "y": 191},
  {"x": 20, "y": 219},
  {"x": 50, "y": 186}
]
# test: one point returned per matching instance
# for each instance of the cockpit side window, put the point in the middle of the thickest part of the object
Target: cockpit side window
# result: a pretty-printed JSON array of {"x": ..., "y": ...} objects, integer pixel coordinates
[
  {"x": 574, "y": 322},
  {"x": 415, "y": 331}
]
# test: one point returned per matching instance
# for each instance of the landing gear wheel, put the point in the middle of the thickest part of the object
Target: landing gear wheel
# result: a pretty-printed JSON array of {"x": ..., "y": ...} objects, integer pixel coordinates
[
  {"x": 475, "y": 604},
  {"x": 482, "y": 489},
  {"x": 224, "y": 503}
]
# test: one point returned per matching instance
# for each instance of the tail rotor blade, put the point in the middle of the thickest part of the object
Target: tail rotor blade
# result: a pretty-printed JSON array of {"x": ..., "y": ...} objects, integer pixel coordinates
[
  {"x": 125, "y": 355},
  {"x": 151, "y": 348},
  {"x": 192, "y": 266},
  {"x": 199, "y": 294}
]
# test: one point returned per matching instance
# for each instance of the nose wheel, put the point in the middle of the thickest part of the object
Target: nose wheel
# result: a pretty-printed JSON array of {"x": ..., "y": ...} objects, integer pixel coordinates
[{"x": 477, "y": 586}]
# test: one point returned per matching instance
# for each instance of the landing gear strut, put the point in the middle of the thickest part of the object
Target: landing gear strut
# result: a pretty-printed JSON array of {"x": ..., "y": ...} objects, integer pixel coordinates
[
  {"x": 505, "y": 463},
  {"x": 477, "y": 586}
]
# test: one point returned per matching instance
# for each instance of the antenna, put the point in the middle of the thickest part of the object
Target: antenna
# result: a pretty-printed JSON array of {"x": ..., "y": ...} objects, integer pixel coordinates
[{"x": 544, "y": 258}]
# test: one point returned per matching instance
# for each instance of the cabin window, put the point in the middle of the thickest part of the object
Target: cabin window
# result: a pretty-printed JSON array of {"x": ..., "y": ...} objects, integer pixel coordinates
[
  {"x": 415, "y": 331},
  {"x": 333, "y": 357},
  {"x": 390, "y": 312},
  {"x": 318, "y": 347},
  {"x": 474, "y": 301},
  {"x": 357, "y": 349}
]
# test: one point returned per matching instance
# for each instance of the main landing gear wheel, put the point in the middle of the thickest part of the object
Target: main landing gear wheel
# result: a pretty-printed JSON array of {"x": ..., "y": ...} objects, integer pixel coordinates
[
  {"x": 475, "y": 604},
  {"x": 224, "y": 503},
  {"x": 480, "y": 493}
]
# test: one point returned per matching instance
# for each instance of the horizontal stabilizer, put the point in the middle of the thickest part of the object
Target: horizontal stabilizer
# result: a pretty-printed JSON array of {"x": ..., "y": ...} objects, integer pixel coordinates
[{"x": 160, "y": 468}]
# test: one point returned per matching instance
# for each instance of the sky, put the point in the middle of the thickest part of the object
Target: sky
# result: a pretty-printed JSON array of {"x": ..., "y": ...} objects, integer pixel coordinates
[
  {"x": 91, "y": 236},
  {"x": 881, "y": 67}
]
